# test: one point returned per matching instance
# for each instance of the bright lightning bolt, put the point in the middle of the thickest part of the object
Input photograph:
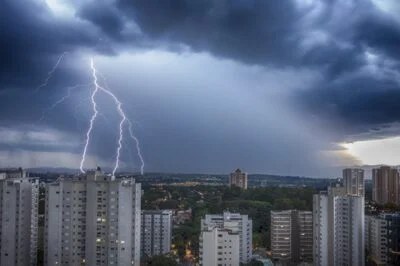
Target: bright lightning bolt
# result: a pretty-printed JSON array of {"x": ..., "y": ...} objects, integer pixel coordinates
[
  {"x": 97, "y": 88},
  {"x": 61, "y": 100},
  {"x": 139, "y": 153},
  {"x": 120, "y": 111},
  {"x": 131, "y": 134},
  {"x": 51, "y": 72},
  {"x": 94, "y": 104}
]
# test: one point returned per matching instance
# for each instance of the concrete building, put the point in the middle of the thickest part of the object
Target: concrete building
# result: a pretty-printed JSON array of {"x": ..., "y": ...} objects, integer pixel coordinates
[
  {"x": 219, "y": 246},
  {"x": 353, "y": 181},
  {"x": 92, "y": 219},
  {"x": 376, "y": 242},
  {"x": 231, "y": 223},
  {"x": 238, "y": 179},
  {"x": 385, "y": 185},
  {"x": 383, "y": 241},
  {"x": 338, "y": 222},
  {"x": 292, "y": 236},
  {"x": 19, "y": 196},
  {"x": 156, "y": 232}
]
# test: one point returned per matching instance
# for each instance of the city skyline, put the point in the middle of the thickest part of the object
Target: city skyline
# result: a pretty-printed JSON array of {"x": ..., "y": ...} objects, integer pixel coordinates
[{"x": 289, "y": 87}]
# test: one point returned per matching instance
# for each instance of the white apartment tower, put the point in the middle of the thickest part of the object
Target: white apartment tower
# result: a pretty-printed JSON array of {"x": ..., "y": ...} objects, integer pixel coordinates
[
  {"x": 92, "y": 219},
  {"x": 19, "y": 196},
  {"x": 353, "y": 181},
  {"x": 219, "y": 246},
  {"x": 338, "y": 221},
  {"x": 292, "y": 236},
  {"x": 156, "y": 230},
  {"x": 238, "y": 179},
  {"x": 231, "y": 224}
]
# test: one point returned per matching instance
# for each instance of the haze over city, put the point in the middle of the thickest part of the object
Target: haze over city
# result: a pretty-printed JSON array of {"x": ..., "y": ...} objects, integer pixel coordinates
[{"x": 281, "y": 87}]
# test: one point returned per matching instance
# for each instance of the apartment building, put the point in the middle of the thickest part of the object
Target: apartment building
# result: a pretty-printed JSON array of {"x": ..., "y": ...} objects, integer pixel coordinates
[
  {"x": 19, "y": 195},
  {"x": 92, "y": 219}
]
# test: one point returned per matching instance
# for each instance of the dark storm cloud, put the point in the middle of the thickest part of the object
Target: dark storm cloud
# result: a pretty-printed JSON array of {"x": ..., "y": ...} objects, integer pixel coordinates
[
  {"x": 380, "y": 32},
  {"x": 330, "y": 38},
  {"x": 363, "y": 103},
  {"x": 271, "y": 33},
  {"x": 254, "y": 32},
  {"x": 31, "y": 40},
  {"x": 107, "y": 17}
]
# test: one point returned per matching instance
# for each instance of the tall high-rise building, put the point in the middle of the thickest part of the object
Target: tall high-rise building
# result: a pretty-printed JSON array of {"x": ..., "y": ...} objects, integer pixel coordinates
[
  {"x": 383, "y": 238},
  {"x": 385, "y": 185},
  {"x": 338, "y": 222},
  {"x": 353, "y": 181},
  {"x": 231, "y": 224},
  {"x": 92, "y": 219},
  {"x": 292, "y": 236},
  {"x": 238, "y": 179},
  {"x": 19, "y": 197},
  {"x": 156, "y": 232}
]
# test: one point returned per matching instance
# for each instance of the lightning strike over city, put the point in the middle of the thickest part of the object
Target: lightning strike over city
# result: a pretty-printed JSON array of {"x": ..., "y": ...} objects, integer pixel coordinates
[
  {"x": 92, "y": 122},
  {"x": 139, "y": 153},
  {"x": 92, "y": 119},
  {"x": 257, "y": 123}
]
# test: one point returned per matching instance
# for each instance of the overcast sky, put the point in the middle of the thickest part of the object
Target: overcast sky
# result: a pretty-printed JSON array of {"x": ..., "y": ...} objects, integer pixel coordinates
[{"x": 298, "y": 87}]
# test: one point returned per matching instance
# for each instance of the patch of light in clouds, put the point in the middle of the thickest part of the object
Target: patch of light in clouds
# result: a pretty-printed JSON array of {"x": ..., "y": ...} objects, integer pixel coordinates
[{"x": 379, "y": 151}]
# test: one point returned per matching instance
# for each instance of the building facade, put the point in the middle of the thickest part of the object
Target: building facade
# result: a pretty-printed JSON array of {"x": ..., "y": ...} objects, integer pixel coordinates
[
  {"x": 219, "y": 246},
  {"x": 383, "y": 239},
  {"x": 353, "y": 181},
  {"x": 238, "y": 179},
  {"x": 235, "y": 224},
  {"x": 156, "y": 230},
  {"x": 19, "y": 197},
  {"x": 385, "y": 185},
  {"x": 92, "y": 219},
  {"x": 338, "y": 222},
  {"x": 292, "y": 236}
]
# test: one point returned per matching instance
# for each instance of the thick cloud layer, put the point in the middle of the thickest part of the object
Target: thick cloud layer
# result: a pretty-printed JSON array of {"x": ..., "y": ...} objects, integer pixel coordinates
[{"x": 335, "y": 64}]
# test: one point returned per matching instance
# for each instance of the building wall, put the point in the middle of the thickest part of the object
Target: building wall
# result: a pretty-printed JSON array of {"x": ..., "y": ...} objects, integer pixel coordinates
[
  {"x": 238, "y": 179},
  {"x": 234, "y": 222},
  {"x": 18, "y": 219},
  {"x": 156, "y": 232},
  {"x": 281, "y": 235},
  {"x": 393, "y": 237},
  {"x": 338, "y": 229},
  {"x": 305, "y": 226},
  {"x": 384, "y": 238},
  {"x": 292, "y": 235},
  {"x": 219, "y": 247},
  {"x": 385, "y": 185},
  {"x": 92, "y": 220},
  {"x": 322, "y": 223},
  {"x": 353, "y": 181},
  {"x": 378, "y": 232}
]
